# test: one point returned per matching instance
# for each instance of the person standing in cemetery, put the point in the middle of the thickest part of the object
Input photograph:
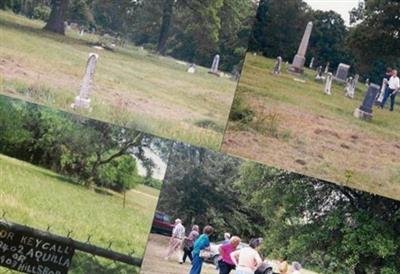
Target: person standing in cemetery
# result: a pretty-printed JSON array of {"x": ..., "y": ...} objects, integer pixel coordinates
[
  {"x": 201, "y": 246},
  {"x": 391, "y": 90},
  {"x": 188, "y": 243},
  {"x": 247, "y": 259},
  {"x": 175, "y": 243},
  {"x": 226, "y": 265}
]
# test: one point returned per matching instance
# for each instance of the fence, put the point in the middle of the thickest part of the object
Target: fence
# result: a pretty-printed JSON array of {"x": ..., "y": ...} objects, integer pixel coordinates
[{"x": 87, "y": 258}]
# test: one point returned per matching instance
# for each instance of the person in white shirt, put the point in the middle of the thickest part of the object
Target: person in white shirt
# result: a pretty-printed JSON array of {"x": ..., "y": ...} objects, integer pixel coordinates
[
  {"x": 175, "y": 243},
  {"x": 392, "y": 89},
  {"x": 247, "y": 259}
]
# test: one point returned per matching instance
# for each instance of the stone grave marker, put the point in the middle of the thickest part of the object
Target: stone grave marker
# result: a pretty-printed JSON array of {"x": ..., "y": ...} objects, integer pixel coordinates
[
  {"x": 381, "y": 93},
  {"x": 319, "y": 76},
  {"x": 342, "y": 73},
  {"x": 278, "y": 65},
  {"x": 83, "y": 99},
  {"x": 328, "y": 84},
  {"x": 192, "y": 69},
  {"x": 299, "y": 60},
  {"x": 326, "y": 71},
  {"x": 215, "y": 66},
  {"x": 364, "y": 112},
  {"x": 311, "y": 63}
]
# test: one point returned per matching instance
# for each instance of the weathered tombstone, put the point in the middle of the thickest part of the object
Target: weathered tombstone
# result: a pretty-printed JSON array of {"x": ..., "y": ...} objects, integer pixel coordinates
[
  {"x": 215, "y": 65},
  {"x": 192, "y": 69},
  {"x": 381, "y": 94},
  {"x": 81, "y": 32},
  {"x": 367, "y": 82},
  {"x": 311, "y": 63},
  {"x": 83, "y": 99},
  {"x": 347, "y": 88},
  {"x": 364, "y": 112},
  {"x": 28, "y": 251},
  {"x": 319, "y": 74},
  {"x": 326, "y": 71},
  {"x": 342, "y": 73},
  {"x": 278, "y": 65},
  {"x": 328, "y": 84},
  {"x": 299, "y": 60}
]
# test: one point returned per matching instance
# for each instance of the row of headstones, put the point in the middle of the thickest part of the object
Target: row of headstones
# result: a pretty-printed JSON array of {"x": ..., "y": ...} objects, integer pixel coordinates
[
  {"x": 374, "y": 91},
  {"x": 83, "y": 99}
]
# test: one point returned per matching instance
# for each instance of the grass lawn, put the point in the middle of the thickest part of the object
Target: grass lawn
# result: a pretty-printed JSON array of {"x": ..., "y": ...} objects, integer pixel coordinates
[
  {"x": 299, "y": 128},
  {"x": 37, "y": 197},
  {"x": 132, "y": 87}
]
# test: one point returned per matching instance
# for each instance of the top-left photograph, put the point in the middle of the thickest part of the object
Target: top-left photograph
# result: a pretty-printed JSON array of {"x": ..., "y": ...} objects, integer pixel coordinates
[{"x": 165, "y": 67}]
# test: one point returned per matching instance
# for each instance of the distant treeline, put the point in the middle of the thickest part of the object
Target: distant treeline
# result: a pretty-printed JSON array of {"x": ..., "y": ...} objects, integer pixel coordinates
[
  {"x": 191, "y": 30},
  {"x": 370, "y": 44},
  {"x": 87, "y": 151}
]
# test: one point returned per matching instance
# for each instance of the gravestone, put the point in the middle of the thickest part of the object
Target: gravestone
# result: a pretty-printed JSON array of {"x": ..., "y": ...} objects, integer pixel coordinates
[
  {"x": 328, "y": 84},
  {"x": 348, "y": 86},
  {"x": 381, "y": 94},
  {"x": 192, "y": 69},
  {"x": 83, "y": 99},
  {"x": 367, "y": 82},
  {"x": 319, "y": 74},
  {"x": 215, "y": 65},
  {"x": 299, "y": 60},
  {"x": 364, "y": 112},
  {"x": 278, "y": 65},
  {"x": 326, "y": 71},
  {"x": 32, "y": 253},
  {"x": 311, "y": 63},
  {"x": 342, "y": 73}
]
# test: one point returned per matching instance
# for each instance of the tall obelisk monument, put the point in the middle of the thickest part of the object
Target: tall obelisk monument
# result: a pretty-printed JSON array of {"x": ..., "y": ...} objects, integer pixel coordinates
[{"x": 300, "y": 58}]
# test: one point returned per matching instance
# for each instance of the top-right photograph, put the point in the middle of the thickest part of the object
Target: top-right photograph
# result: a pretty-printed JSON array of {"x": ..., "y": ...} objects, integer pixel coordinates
[{"x": 318, "y": 92}]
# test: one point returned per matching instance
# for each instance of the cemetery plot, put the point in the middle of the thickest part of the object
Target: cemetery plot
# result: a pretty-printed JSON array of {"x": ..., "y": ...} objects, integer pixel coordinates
[
  {"x": 126, "y": 85},
  {"x": 298, "y": 126}
]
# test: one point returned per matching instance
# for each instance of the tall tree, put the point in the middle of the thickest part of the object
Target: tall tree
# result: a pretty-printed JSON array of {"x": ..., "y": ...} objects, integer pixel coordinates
[
  {"x": 58, "y": 13},
  {"x": 165, "y": 25}
]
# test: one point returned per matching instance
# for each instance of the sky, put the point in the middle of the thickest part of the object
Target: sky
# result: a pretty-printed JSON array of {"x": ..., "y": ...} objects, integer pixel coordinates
[{"x": 340, "y": 6}]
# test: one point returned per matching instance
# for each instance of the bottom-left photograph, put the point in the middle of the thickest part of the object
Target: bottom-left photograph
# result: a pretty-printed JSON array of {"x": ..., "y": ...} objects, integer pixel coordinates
[{"x": 76, "y": 195}]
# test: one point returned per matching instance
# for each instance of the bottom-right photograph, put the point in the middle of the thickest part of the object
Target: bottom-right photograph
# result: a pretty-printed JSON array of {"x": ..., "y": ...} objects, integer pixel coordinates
[{"x": 218, "y": 214}]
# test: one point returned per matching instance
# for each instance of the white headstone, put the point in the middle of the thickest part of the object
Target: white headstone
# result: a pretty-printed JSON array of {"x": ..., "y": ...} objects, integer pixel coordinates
[
  {"x": 328, "y": 84},
  {"x": 382, "y": 90},
  {"x": 215, "y": 64},
  {"x": 192, "y": 69},
  {"x": 278, "y": 65},
  {"x": 350, "y": 88},
  {"x": 311, "y": 63},
  {"x": 326, "y": 71},
  {"x": 83, "y": 99}
]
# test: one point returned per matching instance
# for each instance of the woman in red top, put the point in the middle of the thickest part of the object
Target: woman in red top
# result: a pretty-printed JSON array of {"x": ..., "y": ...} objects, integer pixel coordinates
[{"x": 225, "y": 263}]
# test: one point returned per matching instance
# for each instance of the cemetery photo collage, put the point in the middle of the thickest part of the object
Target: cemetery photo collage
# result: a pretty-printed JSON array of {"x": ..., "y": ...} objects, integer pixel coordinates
[{"x": 199, "y": 137}]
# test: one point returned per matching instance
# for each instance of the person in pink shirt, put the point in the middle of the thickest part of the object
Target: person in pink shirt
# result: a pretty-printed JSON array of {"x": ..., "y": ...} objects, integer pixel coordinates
[
  {"x": 226, "y": 265},
  {"x": 247, "y": 259}
]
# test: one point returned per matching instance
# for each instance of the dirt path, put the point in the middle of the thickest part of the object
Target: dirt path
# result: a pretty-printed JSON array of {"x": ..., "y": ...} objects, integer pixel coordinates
[{"x": 154, "y": 262}]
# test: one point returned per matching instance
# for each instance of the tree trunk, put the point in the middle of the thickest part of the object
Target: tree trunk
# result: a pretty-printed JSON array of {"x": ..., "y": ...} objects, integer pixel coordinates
[
  {"x": 124, "y": 202},
  {"x": 57, "y": 16},
  {"x": 165, "y": 25}
]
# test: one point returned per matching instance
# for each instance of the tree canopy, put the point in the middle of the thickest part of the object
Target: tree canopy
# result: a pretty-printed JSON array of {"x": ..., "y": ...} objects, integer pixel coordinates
[{"x": 87, "y": 151}]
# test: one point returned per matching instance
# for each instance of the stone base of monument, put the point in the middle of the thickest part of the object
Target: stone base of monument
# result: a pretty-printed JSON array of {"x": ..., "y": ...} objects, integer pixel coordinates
[
  {"x": 216, "y": 73},
  {"x": 81, "y": 103},
  {"x": 362, "y": 115},
  {"x": 297, "y": 65}
]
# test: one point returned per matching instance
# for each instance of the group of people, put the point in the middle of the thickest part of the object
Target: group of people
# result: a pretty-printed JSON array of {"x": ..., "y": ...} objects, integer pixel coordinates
[
  {"x": 196, "y": 247},
  {"x": 390, "y": 88}
]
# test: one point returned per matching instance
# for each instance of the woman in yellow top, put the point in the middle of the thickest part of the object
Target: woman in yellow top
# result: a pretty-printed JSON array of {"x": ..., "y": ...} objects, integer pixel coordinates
[{"x": 283, "y": 266}]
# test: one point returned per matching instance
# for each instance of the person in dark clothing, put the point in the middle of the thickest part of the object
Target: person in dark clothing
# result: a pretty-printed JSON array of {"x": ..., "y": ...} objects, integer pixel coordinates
[{"x": 189, "y": 242}]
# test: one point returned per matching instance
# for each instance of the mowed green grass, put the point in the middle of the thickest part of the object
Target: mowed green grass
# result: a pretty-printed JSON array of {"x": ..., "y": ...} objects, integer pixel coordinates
[
  {"x": 317, "y": 134},
  {"x": 39, "y": 198},
  {"x": 132, "y": 87}
]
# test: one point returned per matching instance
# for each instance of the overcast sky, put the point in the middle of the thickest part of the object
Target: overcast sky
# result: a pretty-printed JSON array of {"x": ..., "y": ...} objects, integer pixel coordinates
[{"x": 340, "y": 6}]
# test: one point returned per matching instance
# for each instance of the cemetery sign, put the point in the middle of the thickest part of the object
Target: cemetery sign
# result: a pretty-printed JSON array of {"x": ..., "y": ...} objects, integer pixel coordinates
[{"x": 31, "y": 251}]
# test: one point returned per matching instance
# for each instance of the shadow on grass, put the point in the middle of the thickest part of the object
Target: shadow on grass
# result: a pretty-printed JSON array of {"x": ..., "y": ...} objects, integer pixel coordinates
[{"x": 83, "y": 263}]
